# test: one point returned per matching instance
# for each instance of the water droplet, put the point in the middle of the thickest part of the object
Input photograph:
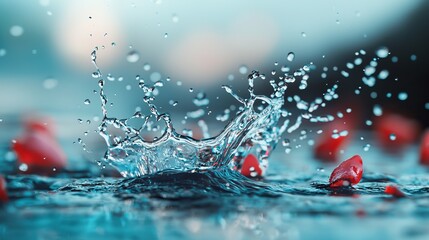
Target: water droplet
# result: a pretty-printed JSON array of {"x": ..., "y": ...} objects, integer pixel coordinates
[
  {"x": 392, "y": 137},
  {"x": 230, "y": 77},
  {"x": 175, "y": 18},
  {"x": 402, "y": 96},
  {"x": 286, "y": 142},
  {"x": 382, "y": 52},
  {"x": 383, "y": 74},
  {"x": 133, "y": 57},
  {"x": 2, "y": 52},
  {"x": 377, "y": 110},
  {"x": 23, "y": 167},
  {"x": 358, "y": 61},
  {"x": 173, "y": 103},
  {"x": 16, "y": 31},
  {"x": 395, "y": 59},
  {"x": 50, "y": 83},
  {"x": 303, "y": 34},
  {"x": 96, "y": 74},
  {"x": 146, "y": 66},
  {"x": 368, "y": 122},
  {"x": 243, "y": 69},
  {"x": 290, "y": 56},
  {"x": 366, "y": 147},
  {"x": 196, "y": 114},
  {"x": 350, "y": 65},
  {"x": 165, "y": 35},
  {"x": 413, "y": 57},
  {"x": 155, "y": 76},
  {"x": 110, "y": 77},
  {"x": 427, "y": 106},
  {"x": 44, "y": 3},
  {"x": 191, "y": 90},
  {"x": 87, "y": 101},
  {"x": 369, "y": 70},
  {"x": 345, "y": 74}
]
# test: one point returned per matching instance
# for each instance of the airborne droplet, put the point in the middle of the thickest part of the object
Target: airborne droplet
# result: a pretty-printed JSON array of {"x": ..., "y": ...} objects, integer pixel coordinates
[
  {"x": 382, "y": 52},
  {"x": 16, "y": 31},
  {"x": 377, "y": 110},
  {"x": 243, "y": 69},
  {"x": 50, "y": 83},
  {"x": 133, "y": 57},
  {"x": 290, "y": 56},
  {"x": 146, "y": 67},
  {"x": 402, "y": 96}
]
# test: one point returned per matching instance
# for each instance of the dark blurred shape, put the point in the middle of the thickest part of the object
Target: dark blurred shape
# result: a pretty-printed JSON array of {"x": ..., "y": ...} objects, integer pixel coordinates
[
  {"x": 3, "y": 191},
  {"x": 424, "y": 149}
]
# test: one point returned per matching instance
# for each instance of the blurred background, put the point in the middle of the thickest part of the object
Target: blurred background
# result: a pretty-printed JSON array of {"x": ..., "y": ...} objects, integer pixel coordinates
[{"x": 45, "y": 46}]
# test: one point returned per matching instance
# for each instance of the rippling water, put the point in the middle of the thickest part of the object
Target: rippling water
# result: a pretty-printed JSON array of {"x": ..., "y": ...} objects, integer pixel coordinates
[{"x": 292, "y": 202}]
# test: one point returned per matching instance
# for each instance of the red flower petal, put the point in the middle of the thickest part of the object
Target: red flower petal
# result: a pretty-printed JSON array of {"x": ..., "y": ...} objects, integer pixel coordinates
[
  {"x": 3, "y": 192},
  {"x": 43, "y": 125},
  {"x": 38, "y": 150},
  {"x": 251, "y": 167},
  {"x": 347, "y": 173},
  {"x": 394, "y": 132},
  {"x": 328, "y": 147},
  {"x": 394, "y": 191},
  {"x": 424, "y": 149}
]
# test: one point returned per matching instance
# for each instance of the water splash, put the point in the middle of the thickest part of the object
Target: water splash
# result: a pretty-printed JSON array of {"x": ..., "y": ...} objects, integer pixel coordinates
[{"x": 256, "y": 128}]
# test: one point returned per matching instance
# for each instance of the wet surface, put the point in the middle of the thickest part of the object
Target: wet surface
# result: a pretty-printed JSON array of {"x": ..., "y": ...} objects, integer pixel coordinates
[{"x": 293, "y": 201}]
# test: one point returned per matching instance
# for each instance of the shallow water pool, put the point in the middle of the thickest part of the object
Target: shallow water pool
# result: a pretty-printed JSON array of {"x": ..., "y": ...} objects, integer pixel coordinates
[{"x": 292, "y": 202}]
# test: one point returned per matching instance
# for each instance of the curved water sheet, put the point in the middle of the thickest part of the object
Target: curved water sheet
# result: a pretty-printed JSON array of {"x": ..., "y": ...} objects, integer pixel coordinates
[{"x": 134, "y": 156}]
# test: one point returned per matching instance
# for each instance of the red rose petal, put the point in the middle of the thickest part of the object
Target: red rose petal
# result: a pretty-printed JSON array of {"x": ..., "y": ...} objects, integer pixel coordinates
[
  {"x": 394, "y": 132},
  {"x": 43, "y": 125},
  {"x": 394, "y": 191},
  {"x": 424, "y": 149},
  {"x": 347, "y": 173},
  {"x": 327, "y": 148},
  {"x": 38, "y": 150},
  {"x": 251, "y": 167},
  {"x": 3, "y": 192}
]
